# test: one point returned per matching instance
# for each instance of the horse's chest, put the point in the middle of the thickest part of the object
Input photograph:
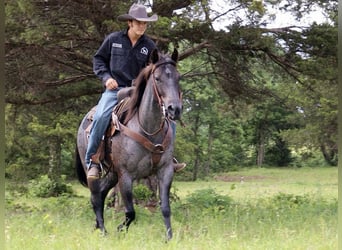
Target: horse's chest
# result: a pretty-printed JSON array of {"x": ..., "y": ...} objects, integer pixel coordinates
[
  {"x": 144, "y": 167},
  {"x": 132, "y": 157}
]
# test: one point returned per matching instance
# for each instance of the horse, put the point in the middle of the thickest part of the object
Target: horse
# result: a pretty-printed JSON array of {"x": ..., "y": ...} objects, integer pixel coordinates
[{"x": 143, "y": 143}]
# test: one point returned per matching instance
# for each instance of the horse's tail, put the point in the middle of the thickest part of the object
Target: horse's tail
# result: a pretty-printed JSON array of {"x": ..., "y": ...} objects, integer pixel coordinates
[{"x": 79, "y": 169}]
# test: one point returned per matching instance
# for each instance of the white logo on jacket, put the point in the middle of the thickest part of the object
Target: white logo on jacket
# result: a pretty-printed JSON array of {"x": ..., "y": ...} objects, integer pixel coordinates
[{"x": 144, "y": 51}]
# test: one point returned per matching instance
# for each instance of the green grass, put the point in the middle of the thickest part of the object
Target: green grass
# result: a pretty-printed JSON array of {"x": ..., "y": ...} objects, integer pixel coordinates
[
  {"x": 270, "y": 209},
  {"x": 263, "y": 182}
]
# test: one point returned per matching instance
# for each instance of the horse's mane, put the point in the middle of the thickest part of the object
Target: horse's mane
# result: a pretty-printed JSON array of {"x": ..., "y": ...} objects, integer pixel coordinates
[{"x": 140, "y": 85}]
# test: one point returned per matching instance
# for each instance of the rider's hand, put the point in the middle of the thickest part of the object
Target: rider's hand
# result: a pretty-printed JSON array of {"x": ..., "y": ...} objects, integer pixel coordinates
[{"x": 111, "y": 84}]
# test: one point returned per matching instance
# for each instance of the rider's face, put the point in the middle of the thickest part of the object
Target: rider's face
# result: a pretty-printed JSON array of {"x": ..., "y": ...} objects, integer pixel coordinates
[{"x": 137, "y": 27}]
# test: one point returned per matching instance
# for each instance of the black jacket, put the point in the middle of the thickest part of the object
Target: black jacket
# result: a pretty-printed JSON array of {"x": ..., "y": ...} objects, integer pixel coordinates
[{"x": 116, "y": 58}]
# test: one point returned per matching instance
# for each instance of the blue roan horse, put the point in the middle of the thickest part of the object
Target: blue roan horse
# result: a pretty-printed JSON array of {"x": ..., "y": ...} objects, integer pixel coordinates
[{"x": 144, "y": 143}]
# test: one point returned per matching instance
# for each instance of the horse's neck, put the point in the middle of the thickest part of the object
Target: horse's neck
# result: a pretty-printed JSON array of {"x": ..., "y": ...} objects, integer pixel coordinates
[{"x": 150, "y": 115}]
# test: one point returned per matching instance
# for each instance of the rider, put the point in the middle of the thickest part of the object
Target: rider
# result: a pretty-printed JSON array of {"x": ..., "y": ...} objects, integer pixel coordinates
[{"x": 117, "y": 63}]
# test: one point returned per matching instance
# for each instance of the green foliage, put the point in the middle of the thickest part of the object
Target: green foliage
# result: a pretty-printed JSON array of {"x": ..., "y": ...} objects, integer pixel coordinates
[
  {"x": 142, "y": 193},
  {"x": 45, "y": 187},
  {"x": 284, "y": 200},
  {"x": 208, "y": 198},
  {"x": 201, "y": 203},
  {"x": 279, "y": 154},
  {"x": 306, "y": 157}
]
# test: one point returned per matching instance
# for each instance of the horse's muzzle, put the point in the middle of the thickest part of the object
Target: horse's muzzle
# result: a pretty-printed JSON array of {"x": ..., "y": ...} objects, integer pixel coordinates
[{"x": 174, "y": 111}]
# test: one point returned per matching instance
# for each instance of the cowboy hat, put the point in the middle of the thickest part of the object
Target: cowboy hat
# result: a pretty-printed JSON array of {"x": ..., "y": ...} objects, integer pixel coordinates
[{"x": 138, "y": 12}]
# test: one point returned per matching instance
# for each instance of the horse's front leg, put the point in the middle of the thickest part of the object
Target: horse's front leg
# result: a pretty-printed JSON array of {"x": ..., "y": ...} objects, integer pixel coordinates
[
  {"x": 126, "y": 186},
  {"x": 165, "y": 180},
  {"x": 99, "y": 189},
  {"x": 97, "y": 202},
  {"x": 97, "y": 199}
]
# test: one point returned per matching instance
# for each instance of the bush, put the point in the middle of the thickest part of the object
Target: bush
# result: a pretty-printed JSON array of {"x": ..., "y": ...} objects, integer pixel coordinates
[
  {"x": 208, "y": 198},
  {"x": 202, "y": 203},
  {"x": 45, "y": 187},
  {"x": 291, "y": 200},
  {"x": 142, "y": 193}
]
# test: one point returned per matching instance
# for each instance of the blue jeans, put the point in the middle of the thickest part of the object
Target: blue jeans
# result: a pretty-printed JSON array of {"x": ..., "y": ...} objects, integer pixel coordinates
[{"x": 101, "y": 121}]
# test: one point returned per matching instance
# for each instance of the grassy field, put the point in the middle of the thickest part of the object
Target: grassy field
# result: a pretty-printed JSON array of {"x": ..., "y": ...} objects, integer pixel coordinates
[{"x": 250, "y": 209}]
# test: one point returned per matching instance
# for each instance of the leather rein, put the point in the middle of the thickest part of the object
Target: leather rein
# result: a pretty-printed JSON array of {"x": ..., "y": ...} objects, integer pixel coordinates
[{"x": 155, "y": 149}]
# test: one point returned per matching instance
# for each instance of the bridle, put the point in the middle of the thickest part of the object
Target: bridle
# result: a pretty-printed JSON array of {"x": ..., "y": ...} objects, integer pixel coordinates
[
  {"x": 159, "y": 99},
  {"x": 157, "y": 95}
]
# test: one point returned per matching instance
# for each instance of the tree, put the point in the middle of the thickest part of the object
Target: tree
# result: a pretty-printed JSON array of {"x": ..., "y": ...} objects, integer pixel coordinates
[
  {"x": 56, "y": 46},
  {"x": 316, "y": 96},
  {"x": 263, "y": 129}
]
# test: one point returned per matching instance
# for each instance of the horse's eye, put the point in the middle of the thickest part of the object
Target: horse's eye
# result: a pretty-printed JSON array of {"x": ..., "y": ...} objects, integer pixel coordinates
[{"x": 157, "y": 79}]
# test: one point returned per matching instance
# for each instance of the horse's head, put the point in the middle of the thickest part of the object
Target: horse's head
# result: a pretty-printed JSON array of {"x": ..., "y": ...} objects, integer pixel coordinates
[{"x": 166, "y": 83}]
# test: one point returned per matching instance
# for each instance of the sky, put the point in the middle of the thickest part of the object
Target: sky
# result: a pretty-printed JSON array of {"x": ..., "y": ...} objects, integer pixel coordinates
[{"x": 282, "y": 19}]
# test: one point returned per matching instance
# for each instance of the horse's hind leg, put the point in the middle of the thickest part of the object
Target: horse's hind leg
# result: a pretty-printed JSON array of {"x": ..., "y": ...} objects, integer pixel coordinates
[{"x": 126, "y": 185}]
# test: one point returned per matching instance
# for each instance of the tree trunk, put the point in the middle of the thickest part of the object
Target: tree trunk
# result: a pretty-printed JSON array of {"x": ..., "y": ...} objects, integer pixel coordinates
[
  {"x": 54, "y": 158},
  {"x": 261, "y": 149},
  {"x": 329, "y": 151},
  {"x": 196, "y": 165},
  {"x": 197, "y": 149},
  {"x": 209, "y": 151}
]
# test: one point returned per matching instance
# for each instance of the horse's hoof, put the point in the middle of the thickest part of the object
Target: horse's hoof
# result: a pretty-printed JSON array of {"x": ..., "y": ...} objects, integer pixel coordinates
[
  {"x": 104, "y": 233},
  {"x": 120, "y": 228},
  {"x": 101, "y": 232},
  {"x": 168, "y": 234}
]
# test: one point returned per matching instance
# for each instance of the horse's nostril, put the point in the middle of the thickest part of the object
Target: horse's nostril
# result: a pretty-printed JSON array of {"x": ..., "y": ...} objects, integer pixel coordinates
[
  {"x": 174, "y": 111},
  {"x": 177, "y": 112}
]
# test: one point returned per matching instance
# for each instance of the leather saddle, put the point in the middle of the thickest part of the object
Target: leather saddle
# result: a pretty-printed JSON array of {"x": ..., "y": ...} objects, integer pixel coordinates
[{"x": 119, "y": 112}]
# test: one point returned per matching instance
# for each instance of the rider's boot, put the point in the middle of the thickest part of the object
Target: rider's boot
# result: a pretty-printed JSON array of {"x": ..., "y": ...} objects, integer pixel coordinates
[
  {"x": 94, "y": 167},
  {"x": 178, "y": 166}
]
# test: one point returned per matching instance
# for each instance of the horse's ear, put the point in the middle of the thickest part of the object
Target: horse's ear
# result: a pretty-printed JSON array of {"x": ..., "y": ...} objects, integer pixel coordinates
[
  {"x": 174, "y": 55},
  {"x": 154, "y": 56}
]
